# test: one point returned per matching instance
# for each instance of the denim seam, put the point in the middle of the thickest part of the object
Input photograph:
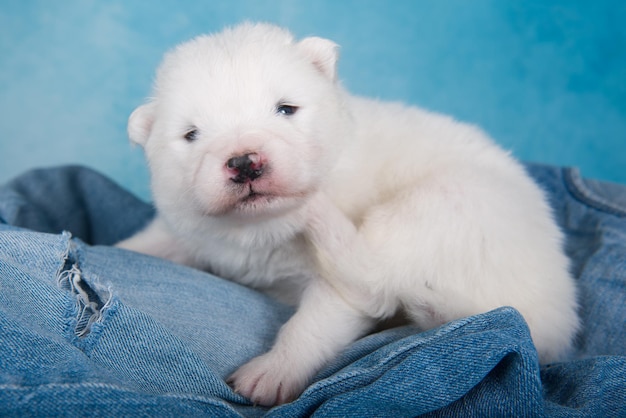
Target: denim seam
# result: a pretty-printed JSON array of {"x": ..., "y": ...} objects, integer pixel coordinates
[
  {"x": 339, "y": 378},
  {"x": 576, "y": 187},
  {"x": 181, "y": 396},
  {"x": 523, "y": 353}
]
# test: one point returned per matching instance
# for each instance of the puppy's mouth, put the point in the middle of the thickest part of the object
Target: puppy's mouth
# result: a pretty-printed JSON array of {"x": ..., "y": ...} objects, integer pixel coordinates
[
  {"x": 254, "y": 196},
  {"x": 256, "y": 202}
]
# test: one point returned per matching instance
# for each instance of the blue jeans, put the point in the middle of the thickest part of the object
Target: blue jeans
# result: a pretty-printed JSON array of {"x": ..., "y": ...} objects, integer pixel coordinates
[{"x": 88, "y": 329}]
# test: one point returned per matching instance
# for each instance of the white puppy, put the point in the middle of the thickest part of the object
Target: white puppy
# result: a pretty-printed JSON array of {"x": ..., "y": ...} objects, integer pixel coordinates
[{"x": 265, "y": 171}]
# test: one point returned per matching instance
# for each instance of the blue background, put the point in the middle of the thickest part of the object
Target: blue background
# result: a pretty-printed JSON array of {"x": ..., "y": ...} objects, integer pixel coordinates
[{"x": 547, "y": 79}]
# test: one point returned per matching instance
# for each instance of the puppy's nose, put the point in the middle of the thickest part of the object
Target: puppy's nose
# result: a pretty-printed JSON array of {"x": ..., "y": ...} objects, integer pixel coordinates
[{"x": 247, "y": 167}]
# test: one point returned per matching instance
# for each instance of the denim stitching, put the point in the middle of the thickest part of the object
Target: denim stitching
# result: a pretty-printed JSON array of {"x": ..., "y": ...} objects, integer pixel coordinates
[
  {"x": 405, "y": 348},
  {"x": 576, "y": 187},
  {"x": 207, "y": 400}
]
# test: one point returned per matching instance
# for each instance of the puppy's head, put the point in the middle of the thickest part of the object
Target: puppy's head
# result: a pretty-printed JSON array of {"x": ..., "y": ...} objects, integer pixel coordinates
[{"x": 243, "y": 124}]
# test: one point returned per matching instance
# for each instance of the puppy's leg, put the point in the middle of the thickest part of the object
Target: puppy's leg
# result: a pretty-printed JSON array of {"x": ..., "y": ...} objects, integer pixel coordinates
[
  {"x": 346, "y": 261},
  {"x": 323, "y": 326},
  {"x": 157, "y": 241},
  {"x": 455, "y": 246}
]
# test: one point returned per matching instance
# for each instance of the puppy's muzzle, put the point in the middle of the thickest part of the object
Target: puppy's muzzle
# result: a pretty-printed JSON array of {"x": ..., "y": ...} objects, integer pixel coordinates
[{"x": 245, "y": 168}]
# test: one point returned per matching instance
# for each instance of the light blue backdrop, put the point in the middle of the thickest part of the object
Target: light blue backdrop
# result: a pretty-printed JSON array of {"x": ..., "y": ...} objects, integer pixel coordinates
[{"x": 547, "y": 79}]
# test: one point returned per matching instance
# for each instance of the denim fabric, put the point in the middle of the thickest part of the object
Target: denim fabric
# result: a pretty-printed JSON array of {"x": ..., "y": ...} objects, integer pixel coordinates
[{"x": 87, "y": 329}]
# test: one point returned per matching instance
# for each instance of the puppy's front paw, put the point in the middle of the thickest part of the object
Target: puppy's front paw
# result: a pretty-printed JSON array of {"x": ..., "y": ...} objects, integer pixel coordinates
[{"x": 268, "y": 380}]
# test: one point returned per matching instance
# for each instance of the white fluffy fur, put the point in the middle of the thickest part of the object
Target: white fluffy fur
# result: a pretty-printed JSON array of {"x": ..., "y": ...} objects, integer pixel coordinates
[{"x": 364, "y": 208}]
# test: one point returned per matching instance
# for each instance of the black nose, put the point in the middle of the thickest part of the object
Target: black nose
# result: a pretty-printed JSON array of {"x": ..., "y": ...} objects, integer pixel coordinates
[{"x": 247, "y": 167}]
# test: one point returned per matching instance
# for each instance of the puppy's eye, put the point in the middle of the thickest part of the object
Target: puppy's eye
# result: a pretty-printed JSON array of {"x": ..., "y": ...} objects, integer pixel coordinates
[
  {"x": 286, "y": 110},
  {"x": 191, "y": 135}
]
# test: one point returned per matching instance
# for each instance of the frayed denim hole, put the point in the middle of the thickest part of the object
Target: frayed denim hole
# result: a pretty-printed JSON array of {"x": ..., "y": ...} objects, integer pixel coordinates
[{"x": 89, "y": 304}]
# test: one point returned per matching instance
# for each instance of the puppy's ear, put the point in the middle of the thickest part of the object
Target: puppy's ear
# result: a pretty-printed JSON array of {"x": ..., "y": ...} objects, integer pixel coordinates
[
  {"x": 322, "y": 53},
  {"x": 140, "y": 123}
]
